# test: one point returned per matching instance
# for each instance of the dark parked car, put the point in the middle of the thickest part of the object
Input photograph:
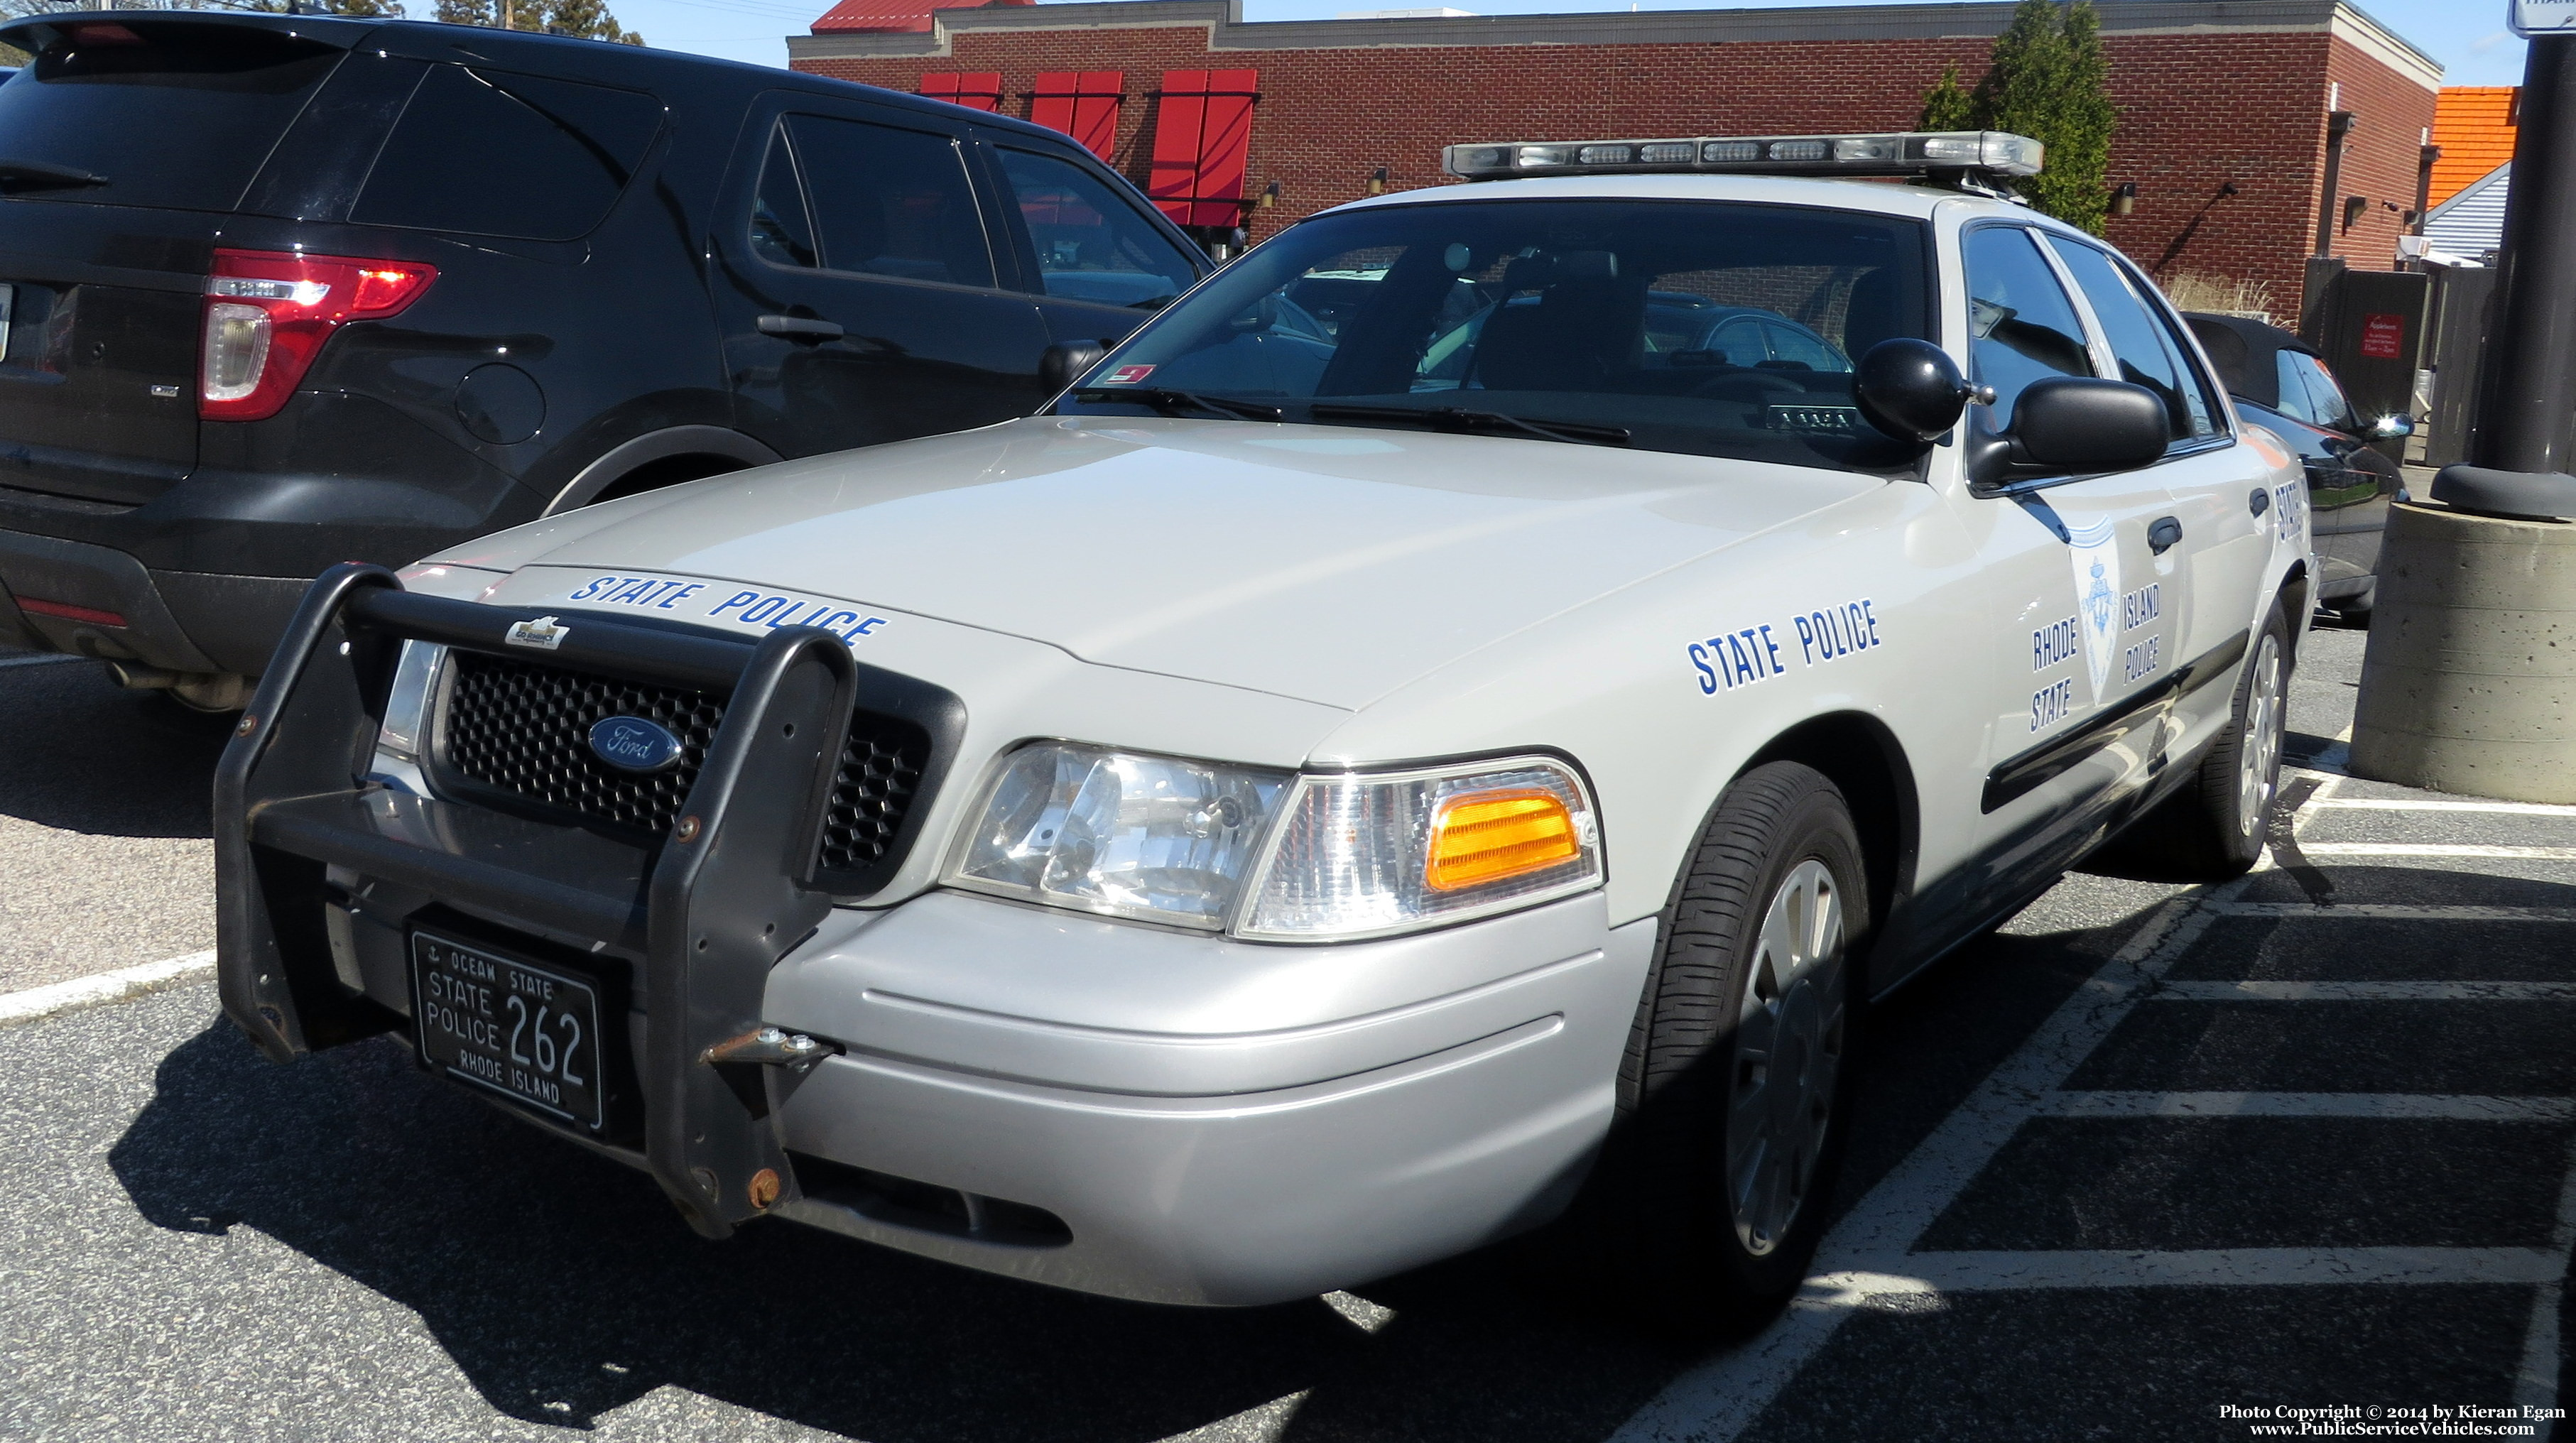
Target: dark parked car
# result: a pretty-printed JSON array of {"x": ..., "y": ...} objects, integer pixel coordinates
[
  {"x": 281, "y": 292},
  {"x": 2282, "y": 385}
]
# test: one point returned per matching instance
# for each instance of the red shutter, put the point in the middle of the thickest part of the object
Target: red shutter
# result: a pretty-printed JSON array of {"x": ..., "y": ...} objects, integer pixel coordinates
[
  {"x": 1200, "y": 143},
  {"x": 974, "y": 89},
  {"x": 1082, "y": 104}
]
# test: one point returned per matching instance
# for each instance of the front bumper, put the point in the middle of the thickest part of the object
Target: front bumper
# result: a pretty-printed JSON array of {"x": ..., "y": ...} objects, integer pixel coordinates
[
  {"x": 1228, "y": 1123},
  {"x": 1117, "y": 1108}
]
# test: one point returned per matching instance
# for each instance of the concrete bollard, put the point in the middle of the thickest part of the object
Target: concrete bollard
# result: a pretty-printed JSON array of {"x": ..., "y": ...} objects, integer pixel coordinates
[{"x": 2469, "y": 681}]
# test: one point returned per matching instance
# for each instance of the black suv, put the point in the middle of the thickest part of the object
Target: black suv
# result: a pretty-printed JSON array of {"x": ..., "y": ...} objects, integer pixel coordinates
[{"x": 277, "y": 292}]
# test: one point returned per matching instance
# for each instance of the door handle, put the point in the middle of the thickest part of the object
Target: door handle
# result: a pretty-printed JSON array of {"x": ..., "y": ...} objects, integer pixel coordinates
[
  {"x": 2164, "y": 534},
  {"x": 800, "y": 328}
]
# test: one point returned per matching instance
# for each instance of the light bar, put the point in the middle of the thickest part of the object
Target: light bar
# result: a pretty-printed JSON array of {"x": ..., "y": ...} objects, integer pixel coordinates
[{"x": 1992, "y": 152}]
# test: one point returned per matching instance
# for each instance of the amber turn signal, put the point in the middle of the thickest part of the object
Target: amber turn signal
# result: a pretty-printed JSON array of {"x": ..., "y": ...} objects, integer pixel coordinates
[{"x": 1489, "y": 836}]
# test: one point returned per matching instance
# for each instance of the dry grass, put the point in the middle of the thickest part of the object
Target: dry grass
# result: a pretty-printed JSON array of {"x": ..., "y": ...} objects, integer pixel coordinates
[{"x": 2201, "y": 291}]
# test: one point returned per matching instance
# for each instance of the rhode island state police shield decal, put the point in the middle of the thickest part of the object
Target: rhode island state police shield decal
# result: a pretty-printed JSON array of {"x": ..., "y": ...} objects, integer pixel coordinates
[{"x": 2095, "y": 552}]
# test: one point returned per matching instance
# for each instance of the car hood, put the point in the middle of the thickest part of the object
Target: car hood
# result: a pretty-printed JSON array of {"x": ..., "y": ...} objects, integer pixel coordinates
[{"x": 1324, "y": 563}]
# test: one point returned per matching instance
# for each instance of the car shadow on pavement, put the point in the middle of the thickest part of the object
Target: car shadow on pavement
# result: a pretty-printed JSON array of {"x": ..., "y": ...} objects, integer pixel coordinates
[
  {"x": 563, "y": 1286},
  {"x": 85, "y": 755}
]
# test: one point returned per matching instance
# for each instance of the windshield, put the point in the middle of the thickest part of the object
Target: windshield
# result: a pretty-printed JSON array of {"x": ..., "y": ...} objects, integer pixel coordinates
[{"x": 1707, "y": 327}]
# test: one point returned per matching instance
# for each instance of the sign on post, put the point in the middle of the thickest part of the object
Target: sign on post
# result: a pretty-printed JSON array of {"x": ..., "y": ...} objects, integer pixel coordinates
[{"x": 2542, "y": 17}]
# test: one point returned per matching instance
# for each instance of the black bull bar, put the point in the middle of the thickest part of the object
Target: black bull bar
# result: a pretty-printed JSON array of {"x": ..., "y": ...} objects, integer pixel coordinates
[{"x": 710, "y": 908}]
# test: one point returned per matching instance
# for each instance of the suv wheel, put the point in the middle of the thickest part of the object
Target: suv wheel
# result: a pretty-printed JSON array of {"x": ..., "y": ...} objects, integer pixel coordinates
[{"x": 1711, "y": 1197}]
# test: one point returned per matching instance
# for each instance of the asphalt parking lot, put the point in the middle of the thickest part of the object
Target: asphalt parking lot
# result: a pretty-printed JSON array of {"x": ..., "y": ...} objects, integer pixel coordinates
[{"x": 2147, "y": 1155}]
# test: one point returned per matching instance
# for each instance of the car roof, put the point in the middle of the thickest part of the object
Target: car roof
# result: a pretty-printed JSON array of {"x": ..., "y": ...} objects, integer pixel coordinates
[
  {"x": 1877, "y": 196},
  {"x": 678, "y": 70},
  {"x": 2242, "y": 349}
]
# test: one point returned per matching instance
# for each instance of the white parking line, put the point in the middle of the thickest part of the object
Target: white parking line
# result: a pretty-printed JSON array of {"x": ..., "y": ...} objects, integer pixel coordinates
[
  {"x": 124, "y": 982},
  {"x": 2437, "y": 849},
  {"x": 2536, "y": 1381},
  {"x": 2447, "y": 1108},
  {"x": 2365, "y": 992},
  {"x": 2392, "y": 912},
  {"x": 2221, "y": 1268},
  {"x": 2512, "y": 809},
  {"x": 46, "y": 659}
]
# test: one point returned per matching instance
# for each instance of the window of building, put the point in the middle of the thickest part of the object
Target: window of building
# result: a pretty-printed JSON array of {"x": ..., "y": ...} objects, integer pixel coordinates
[
  {"x": 1202, "y": 138},
  {"x": 974, "y": 89},
  {"x": 1083, "y": 104}
]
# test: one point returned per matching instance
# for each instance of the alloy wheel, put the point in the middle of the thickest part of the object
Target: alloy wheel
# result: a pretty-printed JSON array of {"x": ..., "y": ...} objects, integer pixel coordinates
[{"x": 1788, "y": 1057}]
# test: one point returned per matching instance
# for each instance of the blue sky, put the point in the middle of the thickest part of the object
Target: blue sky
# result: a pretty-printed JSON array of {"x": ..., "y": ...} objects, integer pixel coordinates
[{"x": 2467, "y": 36}]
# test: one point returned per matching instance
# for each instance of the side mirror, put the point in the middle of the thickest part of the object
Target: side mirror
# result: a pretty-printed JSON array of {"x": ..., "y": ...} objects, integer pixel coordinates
[
  {"x": 2389, "y": 428},
  {"x": 1910, "y": 389},
  {"x": 2079, "y": 424},
  {"x": 1066, "y": 362}
]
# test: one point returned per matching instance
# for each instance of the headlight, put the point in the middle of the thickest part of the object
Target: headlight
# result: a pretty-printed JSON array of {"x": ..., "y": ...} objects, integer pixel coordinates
[
  {"x": 1367, "y": 855},
  {"x": 1160, "y": 839}
]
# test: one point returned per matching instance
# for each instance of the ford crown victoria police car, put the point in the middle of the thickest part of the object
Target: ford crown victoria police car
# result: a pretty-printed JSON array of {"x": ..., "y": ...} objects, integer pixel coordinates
[{"x": 1328, "y": 793}]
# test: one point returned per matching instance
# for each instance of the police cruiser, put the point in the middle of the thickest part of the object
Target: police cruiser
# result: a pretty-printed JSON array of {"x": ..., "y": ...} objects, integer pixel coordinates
[{"x": 1437, "y": 734}]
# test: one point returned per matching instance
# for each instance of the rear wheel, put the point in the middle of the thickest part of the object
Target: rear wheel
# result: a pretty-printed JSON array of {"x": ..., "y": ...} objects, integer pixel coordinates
[{"x": 1710, "y": 1199}]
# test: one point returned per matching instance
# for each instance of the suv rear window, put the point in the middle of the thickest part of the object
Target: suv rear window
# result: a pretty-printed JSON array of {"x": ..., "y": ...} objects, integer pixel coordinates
[
  {"x": 509, "y": 155},
  {"x": 168, "y": 114}
]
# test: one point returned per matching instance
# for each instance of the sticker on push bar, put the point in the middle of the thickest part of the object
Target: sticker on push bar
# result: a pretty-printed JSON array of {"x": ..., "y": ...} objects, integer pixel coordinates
[{"x": 543, "y": 633}]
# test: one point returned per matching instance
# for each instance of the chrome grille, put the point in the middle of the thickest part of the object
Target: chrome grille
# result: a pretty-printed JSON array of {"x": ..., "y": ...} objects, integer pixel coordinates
[{"x": 523, "y": 729}]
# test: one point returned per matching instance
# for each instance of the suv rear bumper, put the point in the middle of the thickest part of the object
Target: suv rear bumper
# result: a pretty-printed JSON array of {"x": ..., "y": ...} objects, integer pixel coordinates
[{"x": 92, "y": 600}]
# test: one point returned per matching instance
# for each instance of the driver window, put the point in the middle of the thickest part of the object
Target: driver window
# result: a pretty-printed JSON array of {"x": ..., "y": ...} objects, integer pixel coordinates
[
  {"x": 2021, "y": 326},
  {"x": 1090, "y": 245}
]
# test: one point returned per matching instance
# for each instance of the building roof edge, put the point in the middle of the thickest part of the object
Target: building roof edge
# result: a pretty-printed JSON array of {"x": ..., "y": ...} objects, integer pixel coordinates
[{"x": 1959, "y": 19}]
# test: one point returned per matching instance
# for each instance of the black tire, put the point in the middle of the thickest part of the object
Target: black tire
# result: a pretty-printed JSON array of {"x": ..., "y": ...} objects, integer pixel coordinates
[
  {"x": 1711, "y": 1194},
  {"x": 2217, "y": 825}
]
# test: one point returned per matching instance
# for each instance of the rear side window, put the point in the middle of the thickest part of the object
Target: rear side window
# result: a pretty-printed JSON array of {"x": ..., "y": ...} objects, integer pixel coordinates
[
  {"x": 174, "y": 115},
  {"x": 780, "y": 230},
  {"x": 892, "y": 202},
  {"x": 2309, "y": 392},
  {"x": 508, "y": 155},
  {"x": 2148, "y": 354}
]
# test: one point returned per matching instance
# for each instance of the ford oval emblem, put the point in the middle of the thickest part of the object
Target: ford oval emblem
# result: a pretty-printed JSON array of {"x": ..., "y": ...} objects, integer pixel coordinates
[{"x": 632, "y": 744}]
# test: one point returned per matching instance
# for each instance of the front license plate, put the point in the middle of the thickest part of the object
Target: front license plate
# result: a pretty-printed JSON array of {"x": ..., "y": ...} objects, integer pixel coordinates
[{"x": 525, "y": 1031}]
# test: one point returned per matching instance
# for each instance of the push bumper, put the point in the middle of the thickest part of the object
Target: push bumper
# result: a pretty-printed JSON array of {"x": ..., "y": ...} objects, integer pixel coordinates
[{"x": 699, "y": 918}]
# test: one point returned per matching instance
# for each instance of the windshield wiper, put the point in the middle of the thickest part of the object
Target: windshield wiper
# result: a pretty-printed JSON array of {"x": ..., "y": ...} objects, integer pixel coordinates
[
  {"x": 1581, "y": 433},
  {"x": 1172, "y": 403},
  {"x": 38, "y": 175}
]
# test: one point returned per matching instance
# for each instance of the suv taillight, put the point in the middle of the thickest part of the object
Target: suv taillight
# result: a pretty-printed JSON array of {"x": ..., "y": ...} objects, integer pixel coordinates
[{"x": 268, "y": 313}]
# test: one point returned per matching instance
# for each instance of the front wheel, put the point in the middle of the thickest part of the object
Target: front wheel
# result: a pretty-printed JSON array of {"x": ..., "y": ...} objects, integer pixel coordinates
[{"x": 1711, "y": 1196}]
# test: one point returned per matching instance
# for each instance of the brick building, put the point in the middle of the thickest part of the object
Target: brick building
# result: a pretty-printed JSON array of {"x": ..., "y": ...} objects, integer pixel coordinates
[{"x": 2223, "y": 103}]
